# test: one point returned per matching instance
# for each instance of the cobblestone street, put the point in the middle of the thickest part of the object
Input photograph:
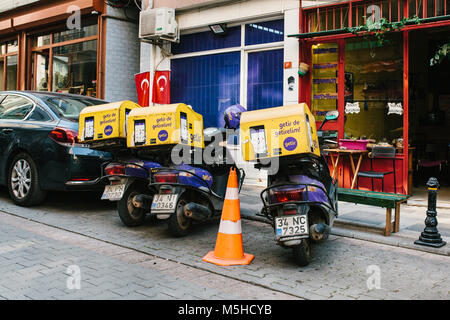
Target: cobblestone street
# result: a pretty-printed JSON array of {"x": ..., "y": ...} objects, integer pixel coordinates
[{"x": 117, "y": 262}]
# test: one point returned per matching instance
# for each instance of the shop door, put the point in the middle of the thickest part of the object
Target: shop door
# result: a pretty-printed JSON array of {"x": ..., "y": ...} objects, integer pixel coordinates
[{"x": 265, "y": 79}]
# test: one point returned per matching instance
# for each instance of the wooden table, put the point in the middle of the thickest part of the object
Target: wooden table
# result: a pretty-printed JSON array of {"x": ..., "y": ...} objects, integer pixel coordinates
[{"x": 349, "y": 153}]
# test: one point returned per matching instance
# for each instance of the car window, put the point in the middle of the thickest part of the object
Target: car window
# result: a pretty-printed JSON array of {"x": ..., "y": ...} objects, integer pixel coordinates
[
  {"x": 15, "y": 107},
  {"x": 68, "y": 107},
  {"x": 39, "y": 115}
]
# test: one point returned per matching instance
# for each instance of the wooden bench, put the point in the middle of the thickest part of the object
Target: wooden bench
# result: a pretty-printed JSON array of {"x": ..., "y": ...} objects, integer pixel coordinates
[{"x": 379, "y": 199}]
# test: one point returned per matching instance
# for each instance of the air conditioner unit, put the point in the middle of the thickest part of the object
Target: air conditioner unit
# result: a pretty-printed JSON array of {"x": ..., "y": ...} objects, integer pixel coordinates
[{"x": 158, "y": 24}]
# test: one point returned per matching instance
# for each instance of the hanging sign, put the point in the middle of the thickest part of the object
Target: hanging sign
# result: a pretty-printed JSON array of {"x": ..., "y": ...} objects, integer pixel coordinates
[
  {"x": 395, "y": 108},
  {"x": 352, "y": 107}
]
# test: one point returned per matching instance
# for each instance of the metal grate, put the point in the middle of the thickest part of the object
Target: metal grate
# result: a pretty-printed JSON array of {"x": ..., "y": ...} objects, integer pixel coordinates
[{"x": 356, "y": 13}]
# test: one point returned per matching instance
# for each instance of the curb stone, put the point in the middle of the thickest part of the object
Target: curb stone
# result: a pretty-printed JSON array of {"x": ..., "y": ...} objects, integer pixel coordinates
[{"x": 359, "y": 232}]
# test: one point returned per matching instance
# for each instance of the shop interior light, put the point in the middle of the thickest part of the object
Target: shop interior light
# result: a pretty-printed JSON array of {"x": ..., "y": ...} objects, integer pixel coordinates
[{"x": 218, "y": 29}]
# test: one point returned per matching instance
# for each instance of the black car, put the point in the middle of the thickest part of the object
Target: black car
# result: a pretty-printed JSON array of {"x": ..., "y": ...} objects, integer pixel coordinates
[{"x": 39, "y": 147}]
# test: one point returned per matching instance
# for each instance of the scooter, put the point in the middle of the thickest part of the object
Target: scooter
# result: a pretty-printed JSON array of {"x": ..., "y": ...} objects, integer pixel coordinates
[
  {"x": 301, "y": 200},
  {"x": 186, "y": 194},
  {"x": 128, "y": 178}
]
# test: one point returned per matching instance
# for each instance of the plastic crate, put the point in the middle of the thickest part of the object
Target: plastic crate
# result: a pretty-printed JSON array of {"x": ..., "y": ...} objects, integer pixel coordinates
[{"x": 354, "y": 144}]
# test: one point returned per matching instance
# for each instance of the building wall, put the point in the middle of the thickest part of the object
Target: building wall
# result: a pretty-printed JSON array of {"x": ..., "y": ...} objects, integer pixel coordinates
[
  {"x": 6, "y": 5},
  {"x": 234, "y": 13},
  {"x": 183, "y": 4},
  {"x": 122, "y": 60}
]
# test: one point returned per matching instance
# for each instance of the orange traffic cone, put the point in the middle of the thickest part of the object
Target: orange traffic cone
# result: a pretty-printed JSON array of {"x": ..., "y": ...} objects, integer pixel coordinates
[{"x": 229, "y": 249}]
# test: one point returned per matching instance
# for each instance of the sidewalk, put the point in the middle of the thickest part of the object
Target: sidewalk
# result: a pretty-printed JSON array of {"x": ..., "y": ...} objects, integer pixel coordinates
[{"x": 365, "y": 222}]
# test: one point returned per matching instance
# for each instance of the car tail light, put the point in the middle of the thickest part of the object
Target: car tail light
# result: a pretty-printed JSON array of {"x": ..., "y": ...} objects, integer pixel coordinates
[
  {"x": 166, "y": 177},
  {"x": 278, "y": 196},
  {"x": 114, "y": 169},
  {"x": 64, "y": 136}
]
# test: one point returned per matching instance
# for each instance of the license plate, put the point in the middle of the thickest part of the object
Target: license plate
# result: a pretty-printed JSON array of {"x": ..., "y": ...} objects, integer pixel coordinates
[
  {"x": 113, "y": 192},
  {"x": 164, "y": 203},
  {"x": 291, "y": 226}
]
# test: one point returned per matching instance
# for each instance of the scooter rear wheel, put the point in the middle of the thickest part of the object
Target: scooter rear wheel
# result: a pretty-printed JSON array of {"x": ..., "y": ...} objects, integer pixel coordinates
[
  {"x": 128, "y": 213},
  {"x": 302, "y": 253},
  {"x": 179, "y": 224}
]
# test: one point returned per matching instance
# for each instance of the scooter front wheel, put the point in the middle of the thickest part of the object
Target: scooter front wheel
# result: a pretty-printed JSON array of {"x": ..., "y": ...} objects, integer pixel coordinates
[
  {"x": 128, "y": 213},
  {"x": 179, "y": 224},
  {"x": 302, "y": 253}
]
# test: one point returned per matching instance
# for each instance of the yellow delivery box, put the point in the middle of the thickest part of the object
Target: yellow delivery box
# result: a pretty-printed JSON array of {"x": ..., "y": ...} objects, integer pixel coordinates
[
  {"x": 105, "y": 124},
  {"x": 277, "y": 132},
  {"x": 165, "y": 125}
]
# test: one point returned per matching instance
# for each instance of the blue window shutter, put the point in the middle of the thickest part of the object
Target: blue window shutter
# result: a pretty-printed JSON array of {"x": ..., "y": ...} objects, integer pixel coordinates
[
  {"x": 264, "y": 32},
  {"x": 265, "y": 79},
  {"x": 207, "y": 40},
  {"x": 208, "y": 83}
]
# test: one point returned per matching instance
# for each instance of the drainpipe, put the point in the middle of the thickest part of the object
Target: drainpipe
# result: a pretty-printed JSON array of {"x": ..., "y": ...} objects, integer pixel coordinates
[{"x": 148, "y": 5}]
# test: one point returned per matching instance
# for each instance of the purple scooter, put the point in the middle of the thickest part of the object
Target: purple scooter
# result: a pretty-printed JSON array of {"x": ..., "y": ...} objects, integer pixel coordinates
[{"x": 301, "y": 201}]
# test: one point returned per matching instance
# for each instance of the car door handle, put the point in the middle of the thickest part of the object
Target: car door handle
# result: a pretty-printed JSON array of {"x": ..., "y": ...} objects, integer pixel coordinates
[{"x": 7, "y": 130}]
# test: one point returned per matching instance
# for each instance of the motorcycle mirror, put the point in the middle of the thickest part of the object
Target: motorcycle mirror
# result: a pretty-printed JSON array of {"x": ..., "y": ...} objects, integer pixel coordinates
[{"x": 332, "y": 115}]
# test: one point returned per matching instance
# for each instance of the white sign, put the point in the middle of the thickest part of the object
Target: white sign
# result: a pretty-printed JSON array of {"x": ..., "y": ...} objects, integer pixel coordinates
[
  {"x": 352, "y": 107},
  {"x": 395, "y": 108},
  {"x": 258, "y": 140}
]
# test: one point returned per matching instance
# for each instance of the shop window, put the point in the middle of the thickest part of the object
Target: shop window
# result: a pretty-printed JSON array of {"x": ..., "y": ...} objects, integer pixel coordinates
[
  {"x": 12, "y": 46},
  {"x": 374, "y": 89},
  {"x": 324, "y": 73},
  {"x": 264, "y": 32},
  {"x": 75, "y": 68},
  {"x": 38, "y": 41},
  {"x": 41, "y": 65},
  {"x": 11, "y": 72},
  {"x": 8, "y": 65},
  {"x": 72, "y": 34},
  {"x": 207, "y": 40},
  {"x": 329, "y": 18},
  {"x": 311, "y": 17},
  {"x": 395, "y": 13},
  {"x": 2, "y": 73}
]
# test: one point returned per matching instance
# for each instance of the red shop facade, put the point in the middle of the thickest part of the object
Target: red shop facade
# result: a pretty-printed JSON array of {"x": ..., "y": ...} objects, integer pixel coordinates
[{"x": 386, "y": 89}]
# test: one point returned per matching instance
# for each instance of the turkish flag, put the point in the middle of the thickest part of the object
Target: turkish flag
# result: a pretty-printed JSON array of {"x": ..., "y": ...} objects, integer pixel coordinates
[
  {"x": 143, "y": 88},
  {"x": 161, "y": 87}
]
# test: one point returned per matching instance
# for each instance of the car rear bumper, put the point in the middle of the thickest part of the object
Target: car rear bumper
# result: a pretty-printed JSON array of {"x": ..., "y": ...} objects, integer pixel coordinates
[
  {"x": 82, "y": 183},
  {"x": 76, "y": 168}
]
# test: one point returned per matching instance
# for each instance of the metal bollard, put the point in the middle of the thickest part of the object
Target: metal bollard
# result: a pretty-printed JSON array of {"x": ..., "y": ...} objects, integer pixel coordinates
[{"x": 430, "y": 235}]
